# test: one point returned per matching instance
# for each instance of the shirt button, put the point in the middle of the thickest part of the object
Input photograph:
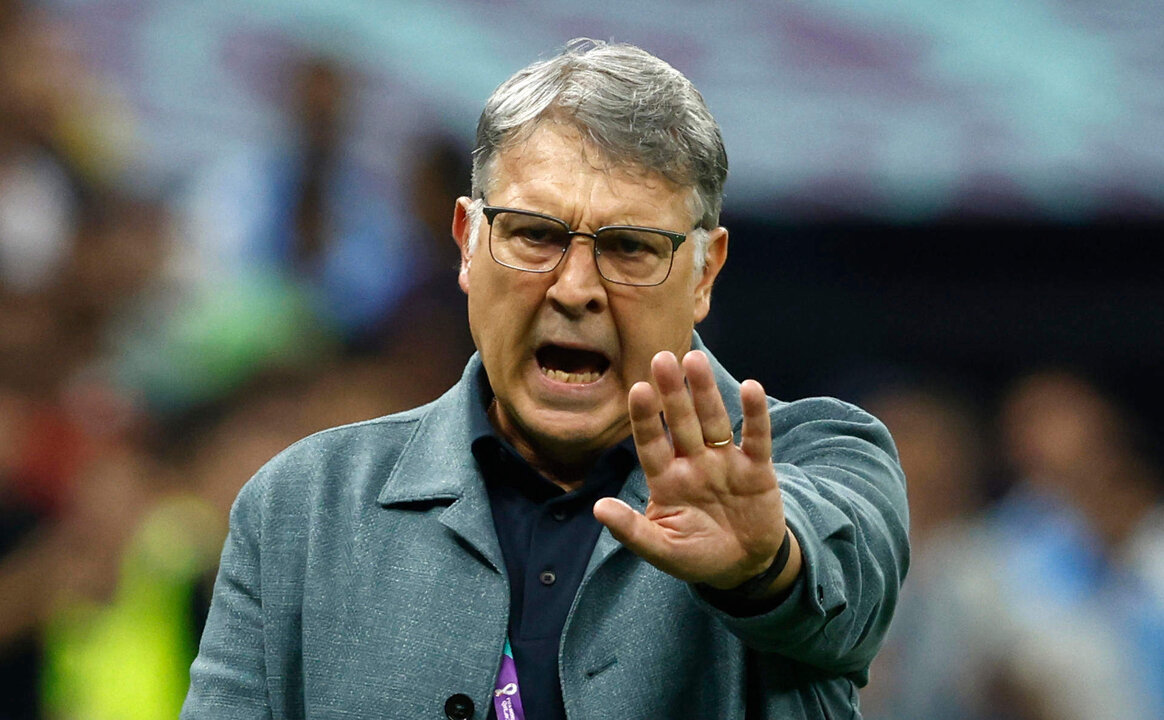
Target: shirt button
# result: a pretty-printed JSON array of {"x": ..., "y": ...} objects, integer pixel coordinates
[
  {"x": 558, "y": 515},
  {"x": 547, "y": 577},
  {"x": 459, "y": 707}
]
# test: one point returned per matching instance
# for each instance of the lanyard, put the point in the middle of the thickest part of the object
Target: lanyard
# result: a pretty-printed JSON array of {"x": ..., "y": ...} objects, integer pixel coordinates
[{"x": 507, "y": 696}]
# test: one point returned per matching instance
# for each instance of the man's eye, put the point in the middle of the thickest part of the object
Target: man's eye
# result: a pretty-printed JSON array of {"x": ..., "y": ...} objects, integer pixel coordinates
[
  {"x": 633, "y": 245},
  {"x": 630, "y": 246},
  {"x": 536, "y": 233}
]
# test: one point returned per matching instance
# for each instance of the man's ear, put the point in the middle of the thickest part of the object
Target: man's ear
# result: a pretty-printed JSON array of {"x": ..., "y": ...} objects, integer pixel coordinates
[
  {"x": 717, "y": 249},
  {"x": 462, "y": 229}
]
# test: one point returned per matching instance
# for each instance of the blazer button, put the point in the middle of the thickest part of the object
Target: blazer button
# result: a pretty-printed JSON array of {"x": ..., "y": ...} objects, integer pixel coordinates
[{"x": 459, "y": 707}]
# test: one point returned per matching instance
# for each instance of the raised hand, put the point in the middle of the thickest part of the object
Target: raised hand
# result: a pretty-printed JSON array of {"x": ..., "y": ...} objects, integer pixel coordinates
[{"x": 715, "y": 514}]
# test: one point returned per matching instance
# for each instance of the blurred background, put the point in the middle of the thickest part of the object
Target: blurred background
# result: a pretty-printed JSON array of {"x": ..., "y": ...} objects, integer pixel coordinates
[{"x": 225, "y": 225}]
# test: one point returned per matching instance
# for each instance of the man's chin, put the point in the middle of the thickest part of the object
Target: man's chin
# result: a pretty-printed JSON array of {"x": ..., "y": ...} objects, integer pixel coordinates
[
  {"x": 570, "y": 432},
  {"x": 582, "y": 430}
]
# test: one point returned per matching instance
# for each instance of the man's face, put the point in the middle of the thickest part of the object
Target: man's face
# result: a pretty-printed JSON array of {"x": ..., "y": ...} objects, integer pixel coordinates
[{"x": 563, "y": 348}]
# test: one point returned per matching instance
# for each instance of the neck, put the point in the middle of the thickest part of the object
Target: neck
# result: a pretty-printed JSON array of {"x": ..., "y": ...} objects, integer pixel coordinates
[
  {"x": 569, "y": 483},
  {"x": 565, "y": 467}
]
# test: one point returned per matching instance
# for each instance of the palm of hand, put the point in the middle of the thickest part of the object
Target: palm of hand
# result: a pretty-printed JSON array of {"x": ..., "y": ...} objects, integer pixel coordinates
[{"x": 715, "y": 514}]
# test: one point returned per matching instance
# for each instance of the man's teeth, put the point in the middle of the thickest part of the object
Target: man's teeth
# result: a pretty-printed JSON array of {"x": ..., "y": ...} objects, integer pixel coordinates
[{"x": 569, "y": 377}]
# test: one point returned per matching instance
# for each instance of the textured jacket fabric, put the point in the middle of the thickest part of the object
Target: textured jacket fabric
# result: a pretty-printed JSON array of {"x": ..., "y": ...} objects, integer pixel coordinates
[{"x": 362, "y": 578}]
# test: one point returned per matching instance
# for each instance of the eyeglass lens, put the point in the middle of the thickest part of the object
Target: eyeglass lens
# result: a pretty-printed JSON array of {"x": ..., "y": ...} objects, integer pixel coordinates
[{"x": 630, "y": 256}]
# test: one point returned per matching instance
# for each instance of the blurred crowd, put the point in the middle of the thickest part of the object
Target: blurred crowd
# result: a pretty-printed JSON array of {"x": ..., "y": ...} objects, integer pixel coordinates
[
  {"x": 1037, "y": 585},
  {"x": 157, "y": 347}
]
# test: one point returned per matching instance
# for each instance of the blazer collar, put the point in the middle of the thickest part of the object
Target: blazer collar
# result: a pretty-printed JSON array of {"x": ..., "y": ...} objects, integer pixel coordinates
[{"x": 435, "y": 463}]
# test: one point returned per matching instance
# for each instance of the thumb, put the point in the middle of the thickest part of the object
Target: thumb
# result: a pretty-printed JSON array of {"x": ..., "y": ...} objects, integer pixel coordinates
[
  {"x": 631, "y": 528},
  {"x": 615, "y": 515}
]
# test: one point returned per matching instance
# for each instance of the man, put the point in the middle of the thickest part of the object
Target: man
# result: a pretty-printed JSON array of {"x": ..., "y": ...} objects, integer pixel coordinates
[{"x": 452, "y": 561}]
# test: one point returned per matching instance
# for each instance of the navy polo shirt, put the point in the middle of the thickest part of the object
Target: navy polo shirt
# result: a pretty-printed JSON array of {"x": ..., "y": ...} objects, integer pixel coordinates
[{"x": 546, "y": 536}]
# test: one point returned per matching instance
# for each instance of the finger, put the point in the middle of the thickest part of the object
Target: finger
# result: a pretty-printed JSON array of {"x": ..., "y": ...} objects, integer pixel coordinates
[
  {"x": 679, "y": 411},
  {"x": 756, "y": 436},
  {"x": 651, "y": 442},
  {"x": 632, "y": 529},
  {"x": 713, "y": 417}
]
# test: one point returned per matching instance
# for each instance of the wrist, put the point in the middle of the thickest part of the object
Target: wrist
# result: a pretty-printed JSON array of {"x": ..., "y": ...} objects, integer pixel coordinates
[{"x": 759, "y": 585}]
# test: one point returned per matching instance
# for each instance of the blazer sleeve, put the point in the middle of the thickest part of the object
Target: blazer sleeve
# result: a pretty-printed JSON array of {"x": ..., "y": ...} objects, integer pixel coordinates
[
  {"x": 844, "y": 499},
  {"x": 229, "y": 678}
]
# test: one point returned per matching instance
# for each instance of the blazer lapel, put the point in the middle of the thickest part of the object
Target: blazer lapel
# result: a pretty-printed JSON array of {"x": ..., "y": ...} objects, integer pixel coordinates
[{"x": 436, "y": 466}]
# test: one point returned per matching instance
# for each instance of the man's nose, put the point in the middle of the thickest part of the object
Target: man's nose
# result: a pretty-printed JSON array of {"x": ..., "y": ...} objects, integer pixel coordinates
[{"x": 578, "y": 286}]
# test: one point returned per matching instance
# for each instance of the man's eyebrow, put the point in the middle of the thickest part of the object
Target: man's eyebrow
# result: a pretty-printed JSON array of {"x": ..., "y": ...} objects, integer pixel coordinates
[{"x": 547, "y": 202}]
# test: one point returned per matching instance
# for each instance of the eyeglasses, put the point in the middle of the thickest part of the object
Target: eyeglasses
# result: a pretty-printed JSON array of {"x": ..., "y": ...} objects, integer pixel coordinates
[{"x": 625, "y": 254}]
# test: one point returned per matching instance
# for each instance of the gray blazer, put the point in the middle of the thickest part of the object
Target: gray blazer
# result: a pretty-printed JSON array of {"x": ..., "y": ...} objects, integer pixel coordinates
[{"x": 362, "y": 578}]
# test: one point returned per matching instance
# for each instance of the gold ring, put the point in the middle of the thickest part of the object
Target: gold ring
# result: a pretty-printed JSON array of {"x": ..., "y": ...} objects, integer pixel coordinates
[{"x": 719, "y": 443}]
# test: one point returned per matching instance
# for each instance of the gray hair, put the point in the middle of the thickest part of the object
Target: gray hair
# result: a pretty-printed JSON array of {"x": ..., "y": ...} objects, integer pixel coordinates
[{"x": 635, "y": 108}]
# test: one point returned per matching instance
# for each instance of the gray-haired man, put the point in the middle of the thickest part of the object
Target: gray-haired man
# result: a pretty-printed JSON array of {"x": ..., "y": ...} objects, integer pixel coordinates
[{"x": 597, "y": 521}]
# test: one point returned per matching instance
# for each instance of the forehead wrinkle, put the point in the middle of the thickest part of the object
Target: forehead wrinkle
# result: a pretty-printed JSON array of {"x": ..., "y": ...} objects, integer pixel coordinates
[{"x": 588, "y": 198}]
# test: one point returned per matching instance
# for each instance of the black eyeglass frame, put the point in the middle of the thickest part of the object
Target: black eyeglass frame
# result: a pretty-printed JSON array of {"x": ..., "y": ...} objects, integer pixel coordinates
[{"x": 676, "y": 238}]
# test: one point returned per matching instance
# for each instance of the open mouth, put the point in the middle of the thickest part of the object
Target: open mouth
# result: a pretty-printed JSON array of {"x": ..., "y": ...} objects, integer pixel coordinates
[{"x": 571, "y": 365}]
